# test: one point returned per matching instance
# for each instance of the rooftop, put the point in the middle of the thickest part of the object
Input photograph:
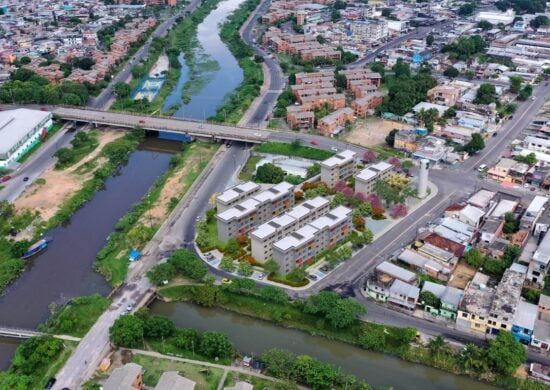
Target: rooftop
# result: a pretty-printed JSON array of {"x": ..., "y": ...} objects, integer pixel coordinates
[
  {"x": 234, "y": 192},
  {"x": 15, "y": 124},
  {"x": 508, "y": 294},
  {"x": 171, "y": 380},
  {"x": 503, "y": 207},
  {"x": 122, "y": 377},
  {"x": 477, "y": 300},
  {"x": 481, "y": 198},
  {"x": 339, "y": 159},
  {"x": 296, "y": 239},
  {"x": 448, "y": 295},
  {"x": 526, "y": 315},
  {"x": 240, "y": 210},
  {"x": 396, "y": 272},
  {"x": 274, "y": 192},
  {"x": 332, "y": 218}
]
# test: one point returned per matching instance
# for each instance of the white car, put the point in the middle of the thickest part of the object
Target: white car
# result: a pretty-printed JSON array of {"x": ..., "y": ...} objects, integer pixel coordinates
[
  {"x": 257, "y": 135},
  {"x": 334, "y": 149}
]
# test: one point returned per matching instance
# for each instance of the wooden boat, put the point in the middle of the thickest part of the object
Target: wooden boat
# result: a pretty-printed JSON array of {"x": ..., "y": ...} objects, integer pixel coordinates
[{"x": 37, "y": 247}]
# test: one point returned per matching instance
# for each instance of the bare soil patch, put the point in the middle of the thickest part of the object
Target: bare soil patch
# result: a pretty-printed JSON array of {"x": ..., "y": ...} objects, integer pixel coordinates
[
  {"x": 373, "y": 131},
  {"x": 462, "y": 274}
]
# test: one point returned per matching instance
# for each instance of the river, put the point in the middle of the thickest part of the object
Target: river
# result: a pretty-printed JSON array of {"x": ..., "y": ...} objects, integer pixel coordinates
[
  {"x": 64, "y": 270},
  {"x": 219, "y": 81},
  {"x": 253, "y": 336}
]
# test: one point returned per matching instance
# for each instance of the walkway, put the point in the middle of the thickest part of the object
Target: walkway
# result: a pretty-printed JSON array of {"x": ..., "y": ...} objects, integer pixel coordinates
[{"x": 20, "y": 333}]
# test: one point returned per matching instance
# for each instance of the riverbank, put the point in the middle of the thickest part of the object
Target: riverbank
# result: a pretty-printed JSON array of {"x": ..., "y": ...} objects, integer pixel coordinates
[
  {"x": 362, "y": 334},
  {"x": 238, "y": 101},
  {"x": 139, "y": 225}
]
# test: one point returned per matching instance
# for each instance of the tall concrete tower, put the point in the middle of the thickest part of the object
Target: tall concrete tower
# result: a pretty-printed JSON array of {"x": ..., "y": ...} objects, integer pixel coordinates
[{"x": 423, "y": 178}]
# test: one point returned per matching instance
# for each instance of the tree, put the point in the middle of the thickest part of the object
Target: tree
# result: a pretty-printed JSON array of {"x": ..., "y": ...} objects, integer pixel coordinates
[
  {"x": 296, "y": 143},
  {"x": 188, "y": 264},
  {"x": 269, "y": 173},
  {"x": 474, "y": 258},
  {"x": 215, "y": 344},
  {"x": 476, "y": 144},
  {"x": 297, "y": 275},
  {"x": 525, "y": 92},
  {"x": 205, "y": 295},
  {"x": 122, "y": 90},
  {"x": 485, "y": 25},
  {"x": 373, "y": 339},
  {"x": 465, "y": 48},
  {"x": 359, "y": 222},
  {"x": 271, "y": 267},
  {"x": 430, "y": 40},
  {"x": 227, "y": 264},
  {"x": 390, "y": 138},
  {"x": 386, "y": 12},
  {"x": 451, "y": 72},
  {"x": 245, "y": 268},
  {"x": 368, "y": 236},
  {"x": 515, "y": 84},
  {"x": 428, "y": 117},
  {"x": 313, "y": 170},
  {"x": 273, "y": 294},
  {"x": 449, "y": 113},
  {"x": 438, "y": 347},
  {"x": 232, "y": 247},
  {"x": 321, "y": 39},
  {"x": 530, "y": 159},
  {"x": 344, "y": 313},
  {"x": 157, "y": 327},
  {"x": 511, "y": 224},
  {"x": 486, "y": 94},
  {"x": 127, "y": 331},
  {"x": 540, "y": 20},
  {"x": 401, "y": 69},
  {"x": 337, "y": 200},
  {"x": 25, "y": 60},
  {"x": 279, "y": 362},
  {"x": 335, "y": 15},
  {"x": 467, "y": 9},
  {"x": 187, "y": 339},
  {"x": 84, "y": 63},
  {"x": 369, "y": 156},
  {"x": 139, "y": 235},
  {"x": 429, "y": 299},
  {"x": 378, "y": 67},
  {"x": 473, "y": 358},
  {"x": 399, "y": 210},
  {"x": 505, "y": 353},
  {"x": 386, "y": 192},
  {"x": 161, "y": 272}
]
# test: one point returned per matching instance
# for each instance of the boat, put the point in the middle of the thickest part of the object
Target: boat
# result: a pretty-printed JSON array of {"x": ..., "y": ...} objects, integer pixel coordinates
[{"x": 39, "y": 246}]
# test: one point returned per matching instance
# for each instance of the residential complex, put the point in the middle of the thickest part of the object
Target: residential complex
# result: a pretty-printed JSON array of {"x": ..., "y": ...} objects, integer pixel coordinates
[
  {"x": 236, "y": 194},
  {"x": 339, "y": 167},
  {"x": 254, "y": 211},
  {"x": 300, "y": 247},
  {"x": 367, "y": 178}
]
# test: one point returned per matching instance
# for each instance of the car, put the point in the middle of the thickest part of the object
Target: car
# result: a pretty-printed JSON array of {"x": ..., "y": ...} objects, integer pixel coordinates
[
  {"x": 26, "y": 178},
  {"x": 5, "y": 178},
  {"x": 50, "y": 383},
  {"x": 257, "y": 134},
  {"x": 312, "y": 277},
  {"x": 226, "y": 281},
  {"x": 495, "y": 134},
  {"x": 511, "y": 117},
  {"x": 526, "y": 185},
  {"x": 482, "y": 168},
  {"x": 43, "y": 109},
  {"x": 334, "y": 149},
  {"x": 130, "y": 307},
  {"x": 261, "y": 276},
  {"x": 314, "y": 142},
  {"x": 533, "y": 189},
  {"x": 141, "y": 121}
]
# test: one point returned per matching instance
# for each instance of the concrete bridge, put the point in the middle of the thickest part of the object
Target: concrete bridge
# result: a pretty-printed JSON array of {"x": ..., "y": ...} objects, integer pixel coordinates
[
  {"x": 192, "y": 128},
  {"x": 22, "y": 333}
]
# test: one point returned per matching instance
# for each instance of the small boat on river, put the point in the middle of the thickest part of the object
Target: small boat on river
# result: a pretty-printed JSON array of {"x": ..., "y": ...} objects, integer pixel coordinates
[{"x": 37, "y": 247}]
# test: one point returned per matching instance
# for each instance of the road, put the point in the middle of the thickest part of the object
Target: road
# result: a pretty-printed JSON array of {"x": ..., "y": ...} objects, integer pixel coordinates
[{"x": 102, "y": 100}]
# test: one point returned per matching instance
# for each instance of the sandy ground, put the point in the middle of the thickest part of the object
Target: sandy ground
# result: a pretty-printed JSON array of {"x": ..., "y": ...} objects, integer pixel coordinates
[
  {"x": 174, "y": 187},
  {"x": 372, "y": 131},
  {"x": 462, "y": 274},
  {"x": 60, "y": 185}
]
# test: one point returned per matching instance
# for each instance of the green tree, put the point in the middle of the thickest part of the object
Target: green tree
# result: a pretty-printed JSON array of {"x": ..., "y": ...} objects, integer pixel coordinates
[
  {"x": 530, "y": 159},
  {"x": 505, "y": 353},
  {"x": 473, "y": 359},
  {"x": 297, "y": 275},
  {"x": 401, "y": 69},
  {"x": 157, "y": 327},
  {"x": 511, "y": 224},
  {"x": 161, "y": 272},
  {"x": 273, "y": 294},
  {"x": 127, "y": 331},
  {"x": 321, "y": 39},
  {"x": 368, "y": 236},
  {"x": 271, "y": 267},
  {"x": 215, "y": 344},
  {"x": 525, "y": 92},
  {"x": 227, "y": 264},
  {"x": 451, "y": 72},
  {"x": 205, "y": 295},
  {"x": 539, "y": 20},
  {"x": 428, "y": 117},
  {"x": 313, "y": 170},
  {"x": 373, "y": 339},
  {"x": 486, "y": 94},
  {"x": 269, "y": 173},
  {"x": 232, "y": 247},
  {"x": 467, "y": 9},
  {"x": 515, "y": 84},
  {"x": 476, "y": 144},
  {"x": 485, "y": 25},
  {"x": 345, "y": 313},
  {"x": 429, "y": 299},
  {"x": 378, "y": 67},
  {"x": 245, "y": 268},
  {"x": 279, "y": 363},
  {"x": 337, "y": 200},
  {"x": 187, "y": 339},
  {"x": 430, "y": 40},
  {"x": 474, "y": 258},
  {"x": 390, "y": 138},
  {"x": 438, "y": 347},
  {"x": 188, "y": 264},
  {"x": 122, "y": 90},
  {"x": 388, "y": 193}
]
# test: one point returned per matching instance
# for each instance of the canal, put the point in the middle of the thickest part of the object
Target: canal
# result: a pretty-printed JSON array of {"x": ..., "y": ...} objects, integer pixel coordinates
[
  {"x": 64, "y": 270},
  {"x": 253, "y": 336},
  {"x": 213, "y": 83}
]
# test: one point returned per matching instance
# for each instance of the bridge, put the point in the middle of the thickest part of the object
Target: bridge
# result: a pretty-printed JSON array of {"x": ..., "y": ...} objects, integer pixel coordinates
[
  {"x": 22, "y": 333},
  {"x": 188, "y": 127}
]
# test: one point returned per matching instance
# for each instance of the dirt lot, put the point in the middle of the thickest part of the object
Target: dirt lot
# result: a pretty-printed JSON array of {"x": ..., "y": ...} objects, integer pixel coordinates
[
  {"x": 46, "y": 198},
  {"x": 373, "y": 131},
  {"x": 462, "y": 275}
]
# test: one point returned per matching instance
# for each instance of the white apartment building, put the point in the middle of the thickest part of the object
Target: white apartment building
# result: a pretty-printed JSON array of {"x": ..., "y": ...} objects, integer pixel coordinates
[
  {"x": 370, "y": 30},
  {"x": 301, "y": 247},
  {"x": 496, "y": 17},
  {"x": 263, "y": 238},
  {"x": 536, "y": 144},
  {"x": 364, "y": 181},
  {"x": 247, "y": 215},
  {"x": 538, "y": 266},
  {"x": 341, "y": 166},
  {"x": 236, "y": 194}
]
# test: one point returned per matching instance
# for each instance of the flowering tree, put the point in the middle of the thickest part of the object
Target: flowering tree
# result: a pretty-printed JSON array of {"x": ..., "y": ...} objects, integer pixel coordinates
[
  {"x": 361, "y": 197},
  {"x": 340, "y": 186},
  {"x": 374, "y": 201},
  {"x": 347, "y": 192},
  {"x": 399, "y": 210},
  {"x": 395, "y": 162},
  {"x": 359, "y": 222},
  {"x": 369, "y": 156}
]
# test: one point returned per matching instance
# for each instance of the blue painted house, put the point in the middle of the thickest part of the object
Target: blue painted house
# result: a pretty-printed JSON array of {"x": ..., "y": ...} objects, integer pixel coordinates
[{"x": 524, "y": 321}]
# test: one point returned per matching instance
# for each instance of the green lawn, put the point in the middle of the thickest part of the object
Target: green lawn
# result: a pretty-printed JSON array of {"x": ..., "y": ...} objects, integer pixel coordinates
[
  {"x": 258, "y": 383},
  {"x": 249, "y": 168},
  {"x": 293, "y": 150},
  {"x": 77, "y": 317},
  {"x": 206, "y": 378}
]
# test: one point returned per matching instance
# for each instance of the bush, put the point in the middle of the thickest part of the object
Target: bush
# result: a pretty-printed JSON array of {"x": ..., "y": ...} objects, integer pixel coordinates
[
  {"x": 216, "y": 345},
  {"x": 188, "y": 264},
  {"x": 127, "y": 331}
]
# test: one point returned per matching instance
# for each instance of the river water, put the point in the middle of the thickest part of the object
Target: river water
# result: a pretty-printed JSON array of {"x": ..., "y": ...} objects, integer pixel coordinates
[
  {"x": 253, "y": 336},
  {"x": 64, "y": 270},
  {"x": 219, "y": 81}
]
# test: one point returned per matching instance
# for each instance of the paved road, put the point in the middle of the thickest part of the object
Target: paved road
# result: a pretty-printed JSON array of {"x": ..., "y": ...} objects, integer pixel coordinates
[{"x": 106, "y": 95}]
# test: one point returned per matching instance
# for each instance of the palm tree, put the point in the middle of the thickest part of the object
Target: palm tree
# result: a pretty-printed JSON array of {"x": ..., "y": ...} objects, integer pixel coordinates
[
  {"x": 438, "y": 347},
  {"x": 472, "y": 358}
]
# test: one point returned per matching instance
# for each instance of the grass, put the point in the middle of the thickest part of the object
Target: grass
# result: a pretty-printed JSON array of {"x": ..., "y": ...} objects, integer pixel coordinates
[
  {"x": 206, "y": 378},
  {"x": 167, "y": 347},
  {"x": 55, "y": 128},
  {"x": 258, "y": 383},
  {"x": 56, "y": 365},
  {"x": 112, "y": 259},
  {"x": 77, "y": 153},
  {"x": 249, "y": 168},
  {"x": 213, "y": 241},
  {"x": 293, "y": 150},
  {"x": 76, "y": 317}
]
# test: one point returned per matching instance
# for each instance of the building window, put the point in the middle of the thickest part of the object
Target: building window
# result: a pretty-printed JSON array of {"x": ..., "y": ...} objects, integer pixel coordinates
[{"x": 464, "y": 315}]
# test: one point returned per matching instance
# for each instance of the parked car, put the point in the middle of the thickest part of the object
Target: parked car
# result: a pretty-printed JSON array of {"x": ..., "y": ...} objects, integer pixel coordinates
[
  {"x": 141, "y": 121},
  {"x": 50, "y": 383},
  {"x": 226, "y": 281},
  {"x": 5, "y": 178},
  {"x": 26, "y": 178},
  {"x": 314, "y": 142},
  {"x": 334, "y": 149},
  {"x": 312, "y": 277},
  {"x": 261, "y": 276}
]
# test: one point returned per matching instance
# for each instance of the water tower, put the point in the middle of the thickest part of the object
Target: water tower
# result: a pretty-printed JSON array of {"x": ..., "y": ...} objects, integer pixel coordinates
[{"x": 423, "y": 178}]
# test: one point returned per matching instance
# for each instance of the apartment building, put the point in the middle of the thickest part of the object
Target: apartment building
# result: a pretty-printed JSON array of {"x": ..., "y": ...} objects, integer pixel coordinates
[
  {"x": 301, "y": 247},
  {"x": 538, "y": 266},
  {"x": 236, "y": 194},
  {"x": 341, "y": 166},
  {"x": 247, "y": 215},
  {"x": 406, "y": 140},
  {"x": 446, "y": 95},
  {"x": 371, "y": 30},
  {"x": 298, "y": 118},
  {"x": 367, "y": 103},
  {"x": 369, "y": 77},
  {"x": 365, "y": 180},
  {"x": 536, "y": 144},
  {"x": 263, "y": 238},
  {"x": 334, "y": 122}
]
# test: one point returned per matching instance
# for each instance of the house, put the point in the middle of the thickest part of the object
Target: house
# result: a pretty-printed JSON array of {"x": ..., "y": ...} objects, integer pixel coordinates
[
  {"x": 403, "y": 294},
  {"x": 443, "y": 243},
  {"x": 541, "y": 332},
  {"x": 236, "y": 194},
  {"x": 491, "y": 230},
  {"x": 378, "y": 284},
  {"x": 446, "y": 95},
  {"x": 467, "y": 214},
  {"x": 127, "y": 377},
  {"x": 367, "y": 103},
  {"x": 538, "y": 266},
  {"x": 481, "y": 199},
  {"x": 454, "y": 230},
  {"x": 338, "y": 119},
  {"x": 405, "y": 140},
  {"x": 524, "y": 322},
  {"x": 297, "y": 118},
  {"x": 475, "y": 305},
  {"x": 429, "y": 265},
  {"x": 533, "y": 213},
  {"x": 503, "y": 207},
  {"x": 449, "y": 298},
  {"x": 171, "y": 380},
  {"x": 431, "y": 148}
]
